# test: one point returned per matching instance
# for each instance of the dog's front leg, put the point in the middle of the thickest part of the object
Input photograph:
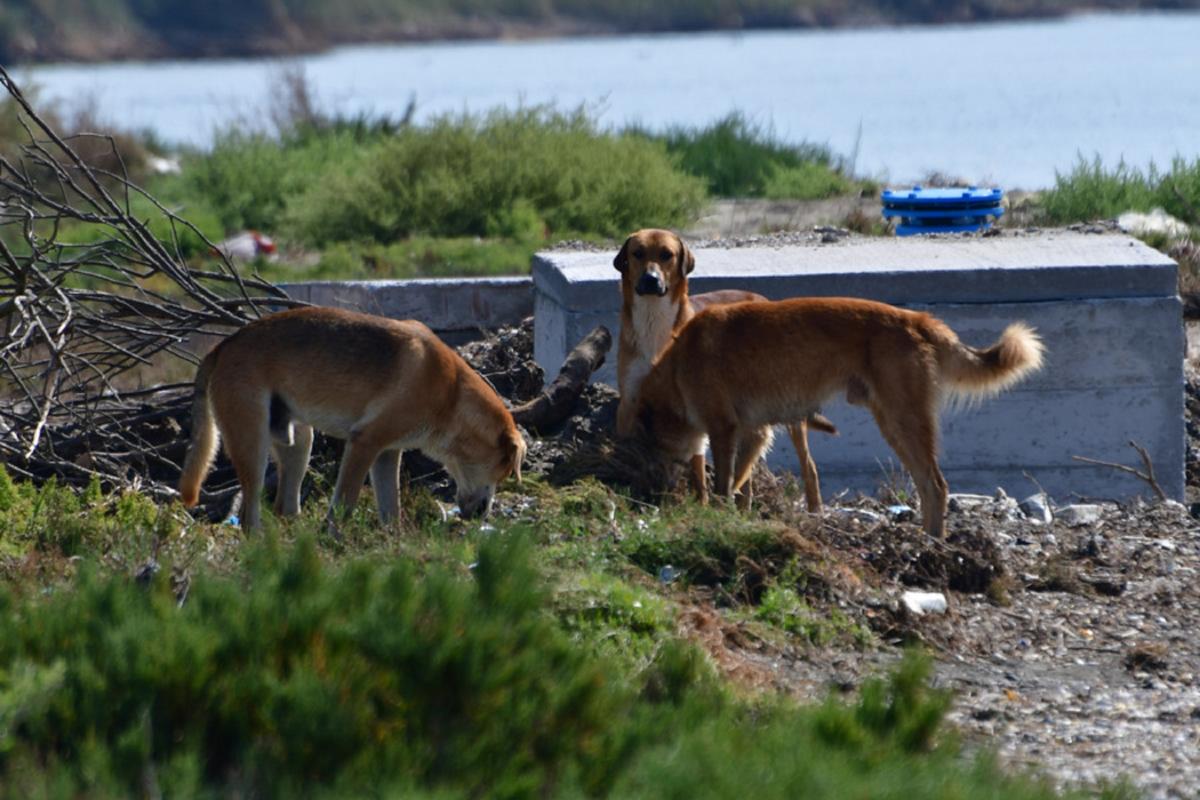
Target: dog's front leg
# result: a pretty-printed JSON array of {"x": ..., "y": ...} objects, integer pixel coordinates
[
  {"x": 385, "y": 481},
  {"x": 808, "y": 467}
]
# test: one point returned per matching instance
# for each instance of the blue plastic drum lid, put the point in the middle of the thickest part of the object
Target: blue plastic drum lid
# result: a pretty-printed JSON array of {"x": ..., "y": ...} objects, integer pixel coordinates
[{"x": 942, "y": 210}]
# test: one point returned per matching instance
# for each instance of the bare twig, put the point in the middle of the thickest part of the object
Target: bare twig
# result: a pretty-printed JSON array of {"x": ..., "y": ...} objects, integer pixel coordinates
[
  {"x": 90, "y": 295},
  {"x": 1147, "y": 476}
]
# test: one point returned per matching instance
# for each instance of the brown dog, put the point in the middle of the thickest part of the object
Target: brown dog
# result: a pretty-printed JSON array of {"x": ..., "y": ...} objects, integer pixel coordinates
[
  {"x": 383, "y": 385},
  {"x": 734, "y": 369},
  {"x": 654, "y": 265}
]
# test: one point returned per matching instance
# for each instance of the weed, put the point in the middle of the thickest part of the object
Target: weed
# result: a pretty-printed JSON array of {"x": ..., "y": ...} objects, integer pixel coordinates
[{"x": 740, "y": 158}]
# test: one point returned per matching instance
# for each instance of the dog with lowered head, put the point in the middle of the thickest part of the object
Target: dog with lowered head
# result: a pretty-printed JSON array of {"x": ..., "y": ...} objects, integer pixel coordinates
[
  {"x": 654, "y": 266},
  {"x": 734, "y": 369},
  {"x": 382, "y": 385}
]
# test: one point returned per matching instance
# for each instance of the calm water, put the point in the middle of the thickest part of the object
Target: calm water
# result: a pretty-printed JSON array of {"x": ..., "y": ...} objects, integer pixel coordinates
[{"x": 1003, "y": 103}]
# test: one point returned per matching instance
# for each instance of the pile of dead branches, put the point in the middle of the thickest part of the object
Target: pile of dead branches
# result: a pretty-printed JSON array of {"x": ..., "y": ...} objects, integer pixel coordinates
[{"x": 91, "y": 303}]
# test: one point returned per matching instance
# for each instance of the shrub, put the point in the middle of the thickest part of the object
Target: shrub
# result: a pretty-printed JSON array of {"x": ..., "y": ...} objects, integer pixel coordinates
[
  {"x": 248, "y": 178},
  {"x": 503, "y": 171},
  {"x": 810, "y": 181},
  {"x": 304, "y": 675}
]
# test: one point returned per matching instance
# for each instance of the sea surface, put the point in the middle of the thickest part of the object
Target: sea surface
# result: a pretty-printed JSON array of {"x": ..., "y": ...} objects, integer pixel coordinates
[{"x": 1004, "y": 104}]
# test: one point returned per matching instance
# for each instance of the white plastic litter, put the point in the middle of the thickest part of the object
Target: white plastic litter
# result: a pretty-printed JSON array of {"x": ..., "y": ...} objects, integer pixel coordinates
[{"x": 921, "y": 603}]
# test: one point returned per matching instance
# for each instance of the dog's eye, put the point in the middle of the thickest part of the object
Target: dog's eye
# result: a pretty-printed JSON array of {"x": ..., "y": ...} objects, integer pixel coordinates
[
  {"x": 667, "y": 255},
  {"x": 639, "y": 253}
]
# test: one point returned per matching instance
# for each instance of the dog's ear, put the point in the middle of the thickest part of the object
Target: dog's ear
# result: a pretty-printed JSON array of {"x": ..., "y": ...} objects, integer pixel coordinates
[
  {"x": 621, "y": 261},
  {"x": 512, "y": 445},
  {"x": 687, "y": 261}
]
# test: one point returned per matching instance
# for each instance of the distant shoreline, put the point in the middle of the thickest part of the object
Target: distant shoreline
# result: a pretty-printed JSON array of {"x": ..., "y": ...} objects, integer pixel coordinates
[{"x": 88, "y": 41}]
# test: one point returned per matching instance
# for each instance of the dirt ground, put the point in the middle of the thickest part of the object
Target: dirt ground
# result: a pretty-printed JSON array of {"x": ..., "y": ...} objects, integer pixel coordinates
[{"x": 1072, "y": 645}]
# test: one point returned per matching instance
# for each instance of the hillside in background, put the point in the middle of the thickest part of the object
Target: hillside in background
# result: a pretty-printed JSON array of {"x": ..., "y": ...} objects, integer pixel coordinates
[{"x": 89, "y": 30}]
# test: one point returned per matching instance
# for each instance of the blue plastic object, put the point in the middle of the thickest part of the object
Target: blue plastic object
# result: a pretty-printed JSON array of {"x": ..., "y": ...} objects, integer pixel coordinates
[{"x": 942, "y": 210}]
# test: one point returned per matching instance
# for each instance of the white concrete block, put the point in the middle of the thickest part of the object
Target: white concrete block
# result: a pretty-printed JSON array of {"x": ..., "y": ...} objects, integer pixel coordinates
[
  {"x": 1106, "y": 307},
  {"x": 457, "y": 309}
]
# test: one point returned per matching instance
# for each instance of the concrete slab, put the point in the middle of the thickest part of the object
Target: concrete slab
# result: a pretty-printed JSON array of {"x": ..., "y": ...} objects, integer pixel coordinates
[
  {"x": 1105, "y": 305},
  {"x": 458, "y": 309},
  {"x": 1051, "y": 266}
]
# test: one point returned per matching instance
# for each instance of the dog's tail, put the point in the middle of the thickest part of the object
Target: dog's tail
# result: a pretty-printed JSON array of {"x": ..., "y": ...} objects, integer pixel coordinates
[
  {"x": 972, "y": 374},
  {"x": 205, "y": 436}
]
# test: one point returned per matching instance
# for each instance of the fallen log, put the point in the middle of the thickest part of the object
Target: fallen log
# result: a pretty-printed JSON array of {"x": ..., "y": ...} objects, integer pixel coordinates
[{"x": 556, "y": 401}]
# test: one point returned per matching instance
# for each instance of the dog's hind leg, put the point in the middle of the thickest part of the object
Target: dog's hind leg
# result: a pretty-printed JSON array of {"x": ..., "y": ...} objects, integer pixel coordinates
[
  {"x": 292, "y": 460},
  {"x": 808, "y": 468},
  {"x": 910, "y": 427},
  {"x": 357, "y": 457},
  {"x": 723, "y": 441},
  {"x": 385, "y": 482},
  {"x": 750, "y": 447},
  {"x": 243, "y": 418},
  {"x": 698, "y": 479}
]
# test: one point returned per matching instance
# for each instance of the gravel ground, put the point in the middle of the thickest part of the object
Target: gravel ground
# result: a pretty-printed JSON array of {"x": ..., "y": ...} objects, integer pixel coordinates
[{"x": 1071, "y": 644}]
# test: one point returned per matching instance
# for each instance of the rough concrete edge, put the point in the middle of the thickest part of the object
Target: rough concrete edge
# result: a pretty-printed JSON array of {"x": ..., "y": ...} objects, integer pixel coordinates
[{"x": 445, "y": 304}]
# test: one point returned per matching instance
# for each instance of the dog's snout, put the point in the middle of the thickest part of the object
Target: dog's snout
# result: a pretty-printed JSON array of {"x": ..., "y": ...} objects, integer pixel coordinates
[
  {"x": 477, "y": 504},
  {"x": 651, "y": 282}
]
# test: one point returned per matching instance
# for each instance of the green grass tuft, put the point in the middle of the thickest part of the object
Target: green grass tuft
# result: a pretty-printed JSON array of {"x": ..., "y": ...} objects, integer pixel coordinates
[{"x": 1091, "y": 191}]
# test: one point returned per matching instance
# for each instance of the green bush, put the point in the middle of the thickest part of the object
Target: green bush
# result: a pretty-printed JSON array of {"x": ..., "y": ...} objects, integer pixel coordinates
[
  {"x": 303, "y": 675},
  {"x": 739, "y": 158},
  {"x": 505, "y": 171},
  {"x": 887, "y": 745},
  {"x": 248, "y": 178},
  {"x": 810, "y": 181}
]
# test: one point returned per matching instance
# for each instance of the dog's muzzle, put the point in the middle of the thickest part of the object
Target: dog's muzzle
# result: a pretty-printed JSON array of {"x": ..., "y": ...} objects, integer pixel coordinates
[
  {"x": 650, "y": 283},
  {"x": 477, "y": 503}
]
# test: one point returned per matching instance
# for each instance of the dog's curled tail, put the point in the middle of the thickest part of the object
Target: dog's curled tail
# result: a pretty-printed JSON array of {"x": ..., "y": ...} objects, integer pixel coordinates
[
  {"x": 205, "y": 437},
  {"x": 973, "y": 374}
]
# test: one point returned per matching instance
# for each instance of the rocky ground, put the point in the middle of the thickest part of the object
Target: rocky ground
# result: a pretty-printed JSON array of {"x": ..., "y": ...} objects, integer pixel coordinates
[{"x": 1069, "y": 631}]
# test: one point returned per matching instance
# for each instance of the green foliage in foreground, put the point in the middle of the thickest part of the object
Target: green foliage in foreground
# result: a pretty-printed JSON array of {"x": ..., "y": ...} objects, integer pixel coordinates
[
  {"x": 445, "y": 663},
  {"x": 1093, "y": 191}
]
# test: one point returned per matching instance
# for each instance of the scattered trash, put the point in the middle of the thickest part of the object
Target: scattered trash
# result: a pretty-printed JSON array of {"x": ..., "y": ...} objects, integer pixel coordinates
[
  {"x": 146, "y": 572},
  {"x": 862, "y": 515},
  {"x": 669, "y": 574},
  {"x": 1036, "y": 509},
  {"x": 921, "y": 603},
  {"x": 247, "y": 246},
  {"x": 1157, "y": 221},
  {"x": 901, "y": 513},
  {"x": 163, "y": 165},
  {"x": 234, "y": 521}
]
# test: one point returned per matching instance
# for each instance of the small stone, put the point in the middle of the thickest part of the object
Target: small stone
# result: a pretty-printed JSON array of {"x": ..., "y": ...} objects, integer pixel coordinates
[
  {"x": 901, "y": 513},
  {"x": 1080, "y": 514},
  {"x": 967, "y": 502}
]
